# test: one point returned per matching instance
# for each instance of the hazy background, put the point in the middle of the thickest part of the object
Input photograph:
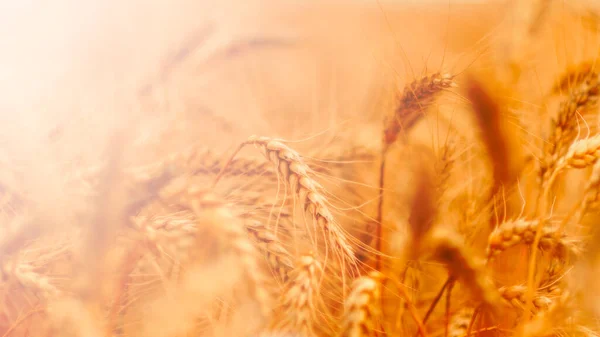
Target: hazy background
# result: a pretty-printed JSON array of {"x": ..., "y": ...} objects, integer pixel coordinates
[{"x": 69, "y": 70}]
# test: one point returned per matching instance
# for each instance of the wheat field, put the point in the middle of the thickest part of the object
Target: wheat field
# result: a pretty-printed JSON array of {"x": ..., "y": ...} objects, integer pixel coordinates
[{"x": 300, "y": 169}]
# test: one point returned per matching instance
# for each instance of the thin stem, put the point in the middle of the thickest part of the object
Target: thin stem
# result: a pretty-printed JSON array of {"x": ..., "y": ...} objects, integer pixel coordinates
[
  {"x": 21, "y": 320},
  {"x": 473, "y": 319},
  {"x": 437, "y": 298},
  {"x": 476, "y": 332},
  {"x": 411, "y": 307},
  {"x": 536, "y": 242},
  {"x": 448, "y": 298},
  {"x": 579, "y": 208},
  {"x": 131, "y": 260},
  {"x": 379, "y": 229},
  {"x": 413, "y": 312},
  {"x": 227, "y": 163}
]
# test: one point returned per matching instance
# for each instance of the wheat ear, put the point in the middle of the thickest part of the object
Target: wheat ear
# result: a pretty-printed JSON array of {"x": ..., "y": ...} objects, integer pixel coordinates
[
  {"x": 278, "y": 256},
  {"x": 460, "y": 322},
  {"x": 204, "y": 161},
  {"x": 416, "y": 97},
  {"x": 170, "y": 233},
  {"x": 591, "y": 194},
  {"x": 296, "y": 174},
  {"x": 361, "y": 308},
  {"x": 564, "y": 129},
  {"x": 444, "y": 165},
  {"x": 423, "y": 208},
  {"x": 516, "y": 297},
  {"x": 591, "y": 199},
  {"x": 493, "y": 130},
  {"x": 215, "y": 216},
  {"x": 512, "y": 233},
  {"x": 28, "y": 278},
  {"x": 581, "y": 154},
  {"x": 574, "y": 76},
  {"x": 298, "y": 301}
]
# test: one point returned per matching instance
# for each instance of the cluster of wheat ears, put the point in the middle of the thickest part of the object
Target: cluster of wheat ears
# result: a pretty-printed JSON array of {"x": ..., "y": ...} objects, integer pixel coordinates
[{"x": 474, "y": 233}]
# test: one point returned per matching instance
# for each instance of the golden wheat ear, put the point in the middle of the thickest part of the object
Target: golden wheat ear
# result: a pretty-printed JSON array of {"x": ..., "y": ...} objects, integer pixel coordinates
[
  {"x": 423, "y": 209},
  {"x": 521, "y": 231},
  {"x": 515, "y": 296},
  {"x": 298, "y": 304},
  {"x": 278, "y": 256},
  {"x": 591, "y": 197},
  {"x": 25, "y": 275},
  {"x": 296, "y": 174},
  {"x": 499, "y": 139},
  {"x": 444, "y": 166},
  {"x": 574, "y": 76},
  {"x": 583, "y": 99},
  {"x": 417, "y": 97},
  {"x": 460, "y": 322},
  {"x": 581, "y": 154},
  {"x": 214, "y": 216},
  {"x": 362, "y": 312}
]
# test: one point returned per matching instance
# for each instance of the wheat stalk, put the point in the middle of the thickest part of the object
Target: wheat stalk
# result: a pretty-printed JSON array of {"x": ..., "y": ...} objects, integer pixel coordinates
[{"x": 172, "y": 234}]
